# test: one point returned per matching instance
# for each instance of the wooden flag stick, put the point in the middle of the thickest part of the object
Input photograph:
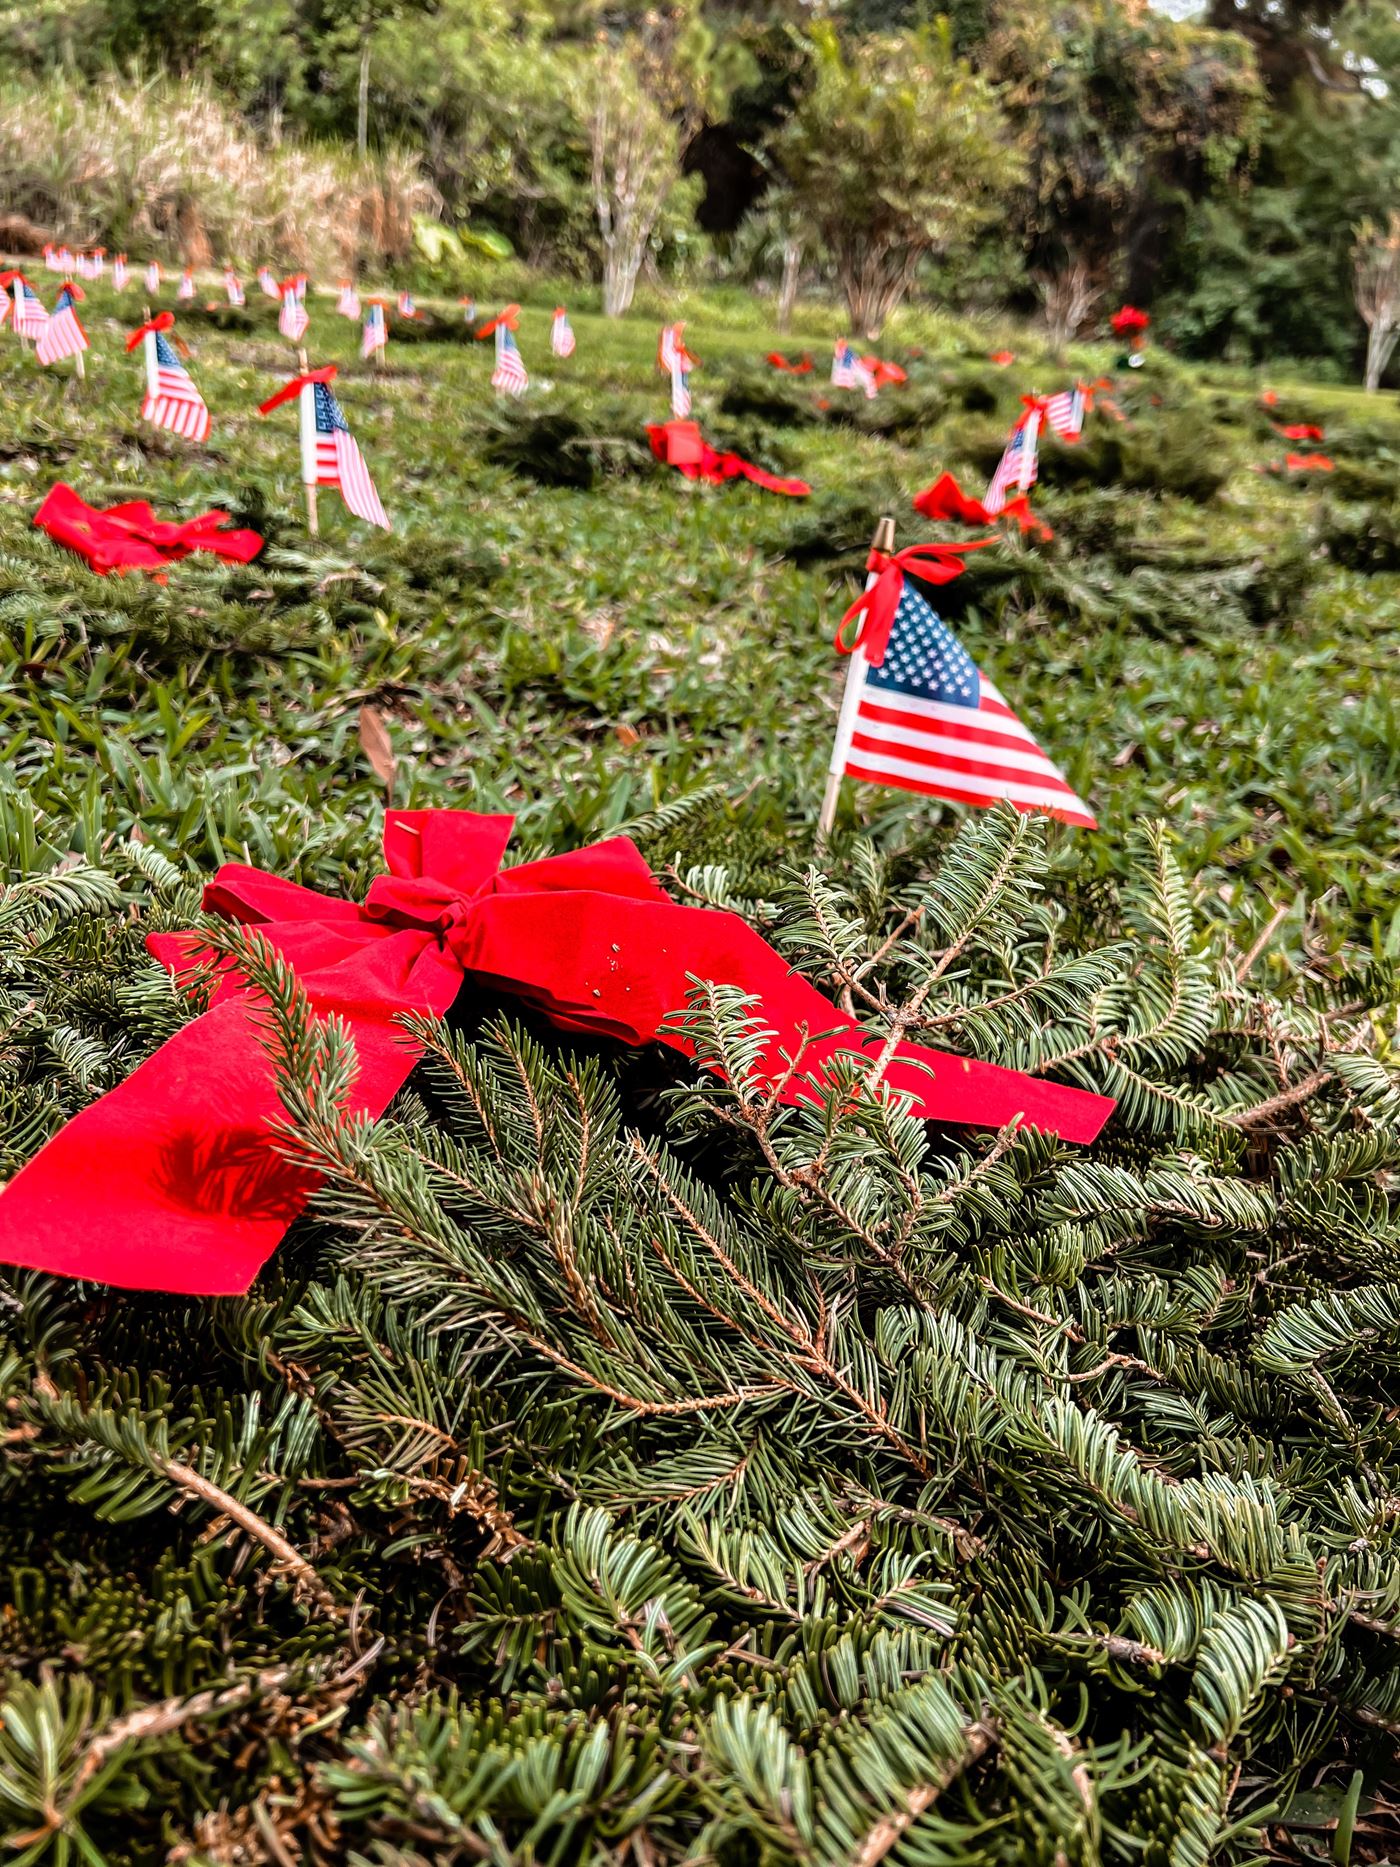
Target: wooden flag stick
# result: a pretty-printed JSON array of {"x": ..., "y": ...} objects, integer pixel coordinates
[
  {"x": 306, "y": 420},
  {"x": 79, "y": 367},
  {"x": 883, "y": 542}
]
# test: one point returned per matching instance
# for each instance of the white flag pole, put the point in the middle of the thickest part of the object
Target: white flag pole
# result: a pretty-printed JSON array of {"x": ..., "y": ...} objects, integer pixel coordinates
[
  {"x": 148, "y": 351},
  {"x": 883, "y": 542},
  {"x": 1026, "y": 472},
  {"x": 306, "y": 419}
]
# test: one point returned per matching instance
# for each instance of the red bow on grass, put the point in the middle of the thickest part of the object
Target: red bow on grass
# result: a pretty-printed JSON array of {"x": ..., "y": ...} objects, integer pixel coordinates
[
  {"x": 946, "y": 502},
  {"x": 803, "y": 367},
  {"x": 875, "y": 608},
  {"x": 131, "y": 537},
  {"x": 681, "y": 445},
  {"x": 172, "y": 1180}
]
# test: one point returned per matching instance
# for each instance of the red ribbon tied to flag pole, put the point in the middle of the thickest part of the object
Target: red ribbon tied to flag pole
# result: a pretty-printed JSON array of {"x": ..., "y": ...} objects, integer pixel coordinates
[
  {"x": 510, "y": 317},
  {"x": 172, "y": 1181},
  {"x": 290, "y": 390},
  {"x": 930, "y": 563},
  {"x": 162, "y": 321}
]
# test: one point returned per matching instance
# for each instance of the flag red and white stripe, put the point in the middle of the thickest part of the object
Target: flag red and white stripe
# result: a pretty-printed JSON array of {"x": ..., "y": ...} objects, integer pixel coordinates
[
  {"x": 348, "y": 304},
  {"x": 121, "y": 273},
  {"x": 376, "y": 332},
  {"x": 153, "y": 277},
  {"x": 63, "y": 336},
  {"x": 330, "y": 457},
  {"x": 31, "y": 314},
  {"x": 849, "y": 372},
  {"x": 171, "y": 400},
  {"x": 292, "y": 319},
  {"x": 927, "y": 719},
  {"x": 1064, "y": 413},
  {"x": 233, "y": 287},
  {"x": 510, "y": 376},
  {"x": 1016, "y": 470},
  {"x": 270, "y": 287},
  {"x": 561, "y": 334},
  {"x": 185, "y": 289}
]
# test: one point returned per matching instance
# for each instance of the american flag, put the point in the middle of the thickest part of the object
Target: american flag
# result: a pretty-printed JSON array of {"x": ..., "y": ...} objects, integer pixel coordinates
[
  {"x": 270, "y": 287},
  {"x": 85, "y": 265},
  {"x": 171, "y": 399},
  {"x": 233, "y": 287},
  {"x": 5, "y": 305},
  {"x": 468, "y": 310},
  {"x": 329, "y": 456},
  {"x": 673, "y": 357},
  {"x": 1065, "y": 412},
  {"x": 376, "y": 332},
  {"x": 99, "y": 262},
  {"x": 51, "y": 257},
  {"x": 185, "y": 289},
  {"x": 153, "y": 277},
  {"x": 509, "y": 376},
  {"x": 31, "y": 319},
  {"x": 407, "y": 308},
  {"x": 292, "y": 319},
  {"x": 929, "y": 720},
  {"x": 1016, "y": 470},
  {"x": 348, "y": 304},
  {"x": 561, "y": 334},
  {"x": 63, "y": 335},
  {"x": 848, "y": 372},
  {"x": 120, "y": 273},
  {"x": 66, "y": 263}
]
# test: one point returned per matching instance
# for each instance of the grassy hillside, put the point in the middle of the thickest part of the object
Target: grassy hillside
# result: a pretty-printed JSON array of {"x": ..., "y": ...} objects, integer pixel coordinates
[{"x": 1060, "y": 1529}]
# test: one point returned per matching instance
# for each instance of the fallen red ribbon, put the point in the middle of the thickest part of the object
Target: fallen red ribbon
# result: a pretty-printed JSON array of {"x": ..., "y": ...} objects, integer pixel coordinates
[
  {"x": 1002, "y": 357},
  {"x": 802, "y": 367},
  {"x": 1298, "y": 431},
  {"x": 946, "y": 502},
  {"x": 874, "y": 609},
  {"x": 131, "y": 537},
  {"x": 1309, "y": 463},
  {"x": 172, "y": 1180},
  {"x": 679, "y": 444}
]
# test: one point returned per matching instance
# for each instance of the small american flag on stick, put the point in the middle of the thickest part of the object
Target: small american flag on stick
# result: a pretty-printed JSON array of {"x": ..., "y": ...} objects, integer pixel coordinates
[
  {"x": 153, "y": 277},
  {"x": 185, "y": 289},
  {"x": 329, "y": 455},
  {"x": 268, "y": 284},
  {"x": 63, "y": 336},
  {"x": 292, "y": 319},
  {"x": 561, "y": 334},
  {"x": 31, "y": 317},
  {"x": 510, "y": 376},
  {"x": 348, "y": 304},
  {"x": 233, "y": 287},
  {"x": 407, "y": 308},
  {"x": 1016, "y": 470},
  {"x": 171, "y": 400},
  {"x": 1064, "y": 413},
  {"x": 121, "y": 273},
  {"x": 848, "y": 372},
  {"x": 919, "y": 715},
  {"x": 676, "y": 361},
  {"x": 376, "y": 332}
]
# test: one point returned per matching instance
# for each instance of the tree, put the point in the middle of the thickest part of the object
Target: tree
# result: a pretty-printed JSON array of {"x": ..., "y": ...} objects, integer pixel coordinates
[
  {"x": 1376, "y": 257},
  {"x": 1125, "y": 117},
  {"x": 899, "y": 150},
  {"x": 635, "y": 151}
]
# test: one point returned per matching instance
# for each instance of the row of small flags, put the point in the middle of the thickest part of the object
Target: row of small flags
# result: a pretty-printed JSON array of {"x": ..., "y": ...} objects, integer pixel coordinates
[{"x": 918, "y": 713}]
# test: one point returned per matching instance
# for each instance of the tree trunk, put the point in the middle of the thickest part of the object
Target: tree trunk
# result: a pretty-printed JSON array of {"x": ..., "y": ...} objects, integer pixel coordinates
[
  {"x": 792, "y": 272},
  {"x": 621, "y": 264},
  {"x": 1380, "y": 343},
  {"x": 362, "y": 110}
]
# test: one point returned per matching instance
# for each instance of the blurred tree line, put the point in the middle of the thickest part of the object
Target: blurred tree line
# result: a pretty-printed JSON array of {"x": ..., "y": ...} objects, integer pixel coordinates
[{"x": 1052, "y": 152}]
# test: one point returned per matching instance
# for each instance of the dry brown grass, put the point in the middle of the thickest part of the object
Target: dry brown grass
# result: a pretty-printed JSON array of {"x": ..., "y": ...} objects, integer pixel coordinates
[{"x": 169, "y": 169}]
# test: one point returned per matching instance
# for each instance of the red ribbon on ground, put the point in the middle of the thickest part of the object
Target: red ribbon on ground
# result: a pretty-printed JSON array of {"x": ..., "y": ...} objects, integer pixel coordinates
[
  {"x": 290, "y": 390},
  {"x": 679, "y": 444},
  {"x": 802, "y": 367},
  {"x": 1298, "y": 431},
  {"x": 131, "y": 537},
  {"x": 162, "y": 321},
  {"x": 882, "y": 372},
  {"x": 172, "y": 1181},
  {"x": 875, "y": 607},
  {"x": 946, "y": 502}
]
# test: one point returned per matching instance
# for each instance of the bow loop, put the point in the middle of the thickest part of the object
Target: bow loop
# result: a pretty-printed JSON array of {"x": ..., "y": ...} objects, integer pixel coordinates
[
  {"x": 162, "y": 321},
  {"x": 874, "y": 609},
  {"x": 290, "y": 390}
]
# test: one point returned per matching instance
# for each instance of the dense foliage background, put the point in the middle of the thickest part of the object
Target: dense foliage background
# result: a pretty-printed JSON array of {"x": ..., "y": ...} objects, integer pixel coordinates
[{"x": 1053, "y": 151}]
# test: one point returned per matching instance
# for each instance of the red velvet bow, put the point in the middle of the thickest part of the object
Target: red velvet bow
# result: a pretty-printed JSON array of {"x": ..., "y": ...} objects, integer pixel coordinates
[
  {"x": 130, "y": 536},
  {"x": 172, "y": 1182},
  {"x": 162, "y": 321},
  {"x": 930, "y": 563},
  {"x": 510, "y": 317},
  {"x": 946, "y": 501},
  {"x": 681, "y": 445},
  {"x": 290, "y": 390},
  {"x": 1128, "y": 320}
]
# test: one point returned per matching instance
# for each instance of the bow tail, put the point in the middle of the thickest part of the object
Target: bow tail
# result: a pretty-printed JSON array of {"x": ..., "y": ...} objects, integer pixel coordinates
[
  {"x": 171, "y": 1181},
  {"x": 619, "y": 968}
]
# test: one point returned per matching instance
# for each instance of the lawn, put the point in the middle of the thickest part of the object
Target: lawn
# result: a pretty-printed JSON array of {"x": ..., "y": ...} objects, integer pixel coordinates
[{"x": 1064, "y": 1547}]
